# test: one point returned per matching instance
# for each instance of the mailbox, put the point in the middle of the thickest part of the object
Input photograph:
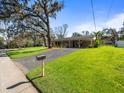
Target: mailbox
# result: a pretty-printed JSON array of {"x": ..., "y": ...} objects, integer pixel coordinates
[{"x": 41, "y": 58}]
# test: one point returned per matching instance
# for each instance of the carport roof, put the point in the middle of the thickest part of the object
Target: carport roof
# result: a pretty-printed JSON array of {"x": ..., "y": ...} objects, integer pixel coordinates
[{"x": 74, "y": 38}]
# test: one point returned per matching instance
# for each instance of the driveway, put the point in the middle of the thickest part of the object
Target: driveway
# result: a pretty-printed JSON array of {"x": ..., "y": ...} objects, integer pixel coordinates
[
  {"x": 29, "y": 63},
  {"x": 2, "y": 53}
]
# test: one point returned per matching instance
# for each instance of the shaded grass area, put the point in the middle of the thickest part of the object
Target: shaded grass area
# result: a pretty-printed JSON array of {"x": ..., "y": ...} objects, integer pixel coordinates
[
  {"x": 98, "y": 70},
  {"x": 20, "y": 53}
]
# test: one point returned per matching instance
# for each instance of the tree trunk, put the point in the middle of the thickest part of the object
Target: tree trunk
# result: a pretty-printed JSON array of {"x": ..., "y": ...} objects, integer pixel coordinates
[
  {"x": 44, "y": 40},
  {"x": 48, "y": 25},
  {"x": 34, "y": 41},
  {"x": 49, "y": 40},
  {"x": 48, "y": 33}
]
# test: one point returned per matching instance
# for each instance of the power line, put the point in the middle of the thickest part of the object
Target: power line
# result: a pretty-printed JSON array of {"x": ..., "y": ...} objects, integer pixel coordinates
[
  {"x": 109, "y": 10},
  {"x": 93, "y": 14}
]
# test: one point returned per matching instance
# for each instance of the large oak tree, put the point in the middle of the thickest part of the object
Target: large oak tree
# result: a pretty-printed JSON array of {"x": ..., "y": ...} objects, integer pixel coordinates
[
  {"x": 37, "y": 12},
  {"x": 9, "y": 8}
]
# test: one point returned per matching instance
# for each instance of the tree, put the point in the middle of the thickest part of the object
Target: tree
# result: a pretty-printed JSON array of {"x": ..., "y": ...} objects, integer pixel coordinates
[
  {"x": 41, "y": 11},
  {"x": 52, "y": 34},
  {"x": 38, "y": 13},
  {"x": 76, "y": 34},
  {"x": 35, "y": 37},
  {"x": 86, "y": 33},
  {"x": 61, "y": 31},
  {"x": 10, "y": 31},
  {"x": 112, "y": 33},
  {"x": 7, "y": 33},
  {"x": 121, "y": 33},
  {"x": 11, "y": 7},
  {"x": 97, "y": 36},
  {"x": 1, "y": 41},
  {"x": 33, "y": 29}
]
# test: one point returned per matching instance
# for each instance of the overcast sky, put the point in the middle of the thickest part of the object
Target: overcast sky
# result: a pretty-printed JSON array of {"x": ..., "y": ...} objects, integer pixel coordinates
[{"x": 78, "y": 15}]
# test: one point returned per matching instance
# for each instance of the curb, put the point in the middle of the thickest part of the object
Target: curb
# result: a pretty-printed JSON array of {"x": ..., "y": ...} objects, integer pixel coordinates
[{"x": 34, "y": 85}]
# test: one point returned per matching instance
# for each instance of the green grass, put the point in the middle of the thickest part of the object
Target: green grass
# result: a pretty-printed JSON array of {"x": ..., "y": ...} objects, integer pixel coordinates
[
  {"x": 97, "y": 70},
  {"x": 30, "y": 51}
]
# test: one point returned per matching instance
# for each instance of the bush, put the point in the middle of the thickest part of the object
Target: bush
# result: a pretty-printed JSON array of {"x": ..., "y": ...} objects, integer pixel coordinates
[
  {"x": 90, "y": 46},
  {"x": 98, "y": 43}
]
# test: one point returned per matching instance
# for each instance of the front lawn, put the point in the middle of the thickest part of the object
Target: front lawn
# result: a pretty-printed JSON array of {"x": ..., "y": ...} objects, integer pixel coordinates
[
  {"x": 95, "y": 70},
  {"x": 30, "y": 51}
]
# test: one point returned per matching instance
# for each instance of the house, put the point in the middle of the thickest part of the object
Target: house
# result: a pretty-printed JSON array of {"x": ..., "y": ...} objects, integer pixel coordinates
[
  {"x": 107, "y": 40},
  {"x": 73, "y": 42},
  {"x": 120, "y": 43}
]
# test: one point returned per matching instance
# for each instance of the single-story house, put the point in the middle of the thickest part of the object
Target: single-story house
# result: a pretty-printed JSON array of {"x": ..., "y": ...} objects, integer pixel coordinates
[
  {"x": 73, "y": 42},
  {"x": 120, "y": 43},
  {"x": 107, "y": 40}
]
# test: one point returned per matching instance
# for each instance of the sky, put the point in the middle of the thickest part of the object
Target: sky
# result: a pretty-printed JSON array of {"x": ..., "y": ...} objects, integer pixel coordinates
[{"x": 78, "y": 15}]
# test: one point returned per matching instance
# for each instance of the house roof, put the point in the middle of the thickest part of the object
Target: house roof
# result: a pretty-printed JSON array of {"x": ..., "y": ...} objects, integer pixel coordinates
[{"x": 75, "y": 38}]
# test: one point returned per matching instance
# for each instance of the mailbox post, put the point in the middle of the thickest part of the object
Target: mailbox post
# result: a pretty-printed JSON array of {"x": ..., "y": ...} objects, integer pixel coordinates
[{"x": 41, "y": 58}]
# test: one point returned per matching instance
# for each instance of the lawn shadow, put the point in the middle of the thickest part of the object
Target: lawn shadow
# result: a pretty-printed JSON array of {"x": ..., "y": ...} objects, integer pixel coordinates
[{"x": 22, "y": 82}]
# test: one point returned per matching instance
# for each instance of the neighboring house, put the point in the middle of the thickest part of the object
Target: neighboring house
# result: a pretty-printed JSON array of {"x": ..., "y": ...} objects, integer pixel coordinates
[
  {"x": 120, "y": 43},
  {"x": 107, "y": 40},
  {"x": 73, "y": 42}
]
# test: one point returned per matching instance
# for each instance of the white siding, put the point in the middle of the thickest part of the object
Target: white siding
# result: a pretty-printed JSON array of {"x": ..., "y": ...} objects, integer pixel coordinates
[{"x": 120, "y": 43}]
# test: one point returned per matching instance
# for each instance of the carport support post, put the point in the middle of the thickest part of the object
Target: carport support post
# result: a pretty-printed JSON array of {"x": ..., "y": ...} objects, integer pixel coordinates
[
  {"x": 79, "y": 44},
  {"x": 91, "y": 42},
  {"x": 69, "y": 44}
]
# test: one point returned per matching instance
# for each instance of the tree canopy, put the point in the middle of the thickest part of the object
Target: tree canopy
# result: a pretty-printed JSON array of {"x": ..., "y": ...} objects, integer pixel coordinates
[{"x": 31, "y": 15}]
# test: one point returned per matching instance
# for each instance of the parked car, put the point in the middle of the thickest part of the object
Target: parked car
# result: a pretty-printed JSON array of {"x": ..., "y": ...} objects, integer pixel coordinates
[{"x": 2, "y": 47}]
